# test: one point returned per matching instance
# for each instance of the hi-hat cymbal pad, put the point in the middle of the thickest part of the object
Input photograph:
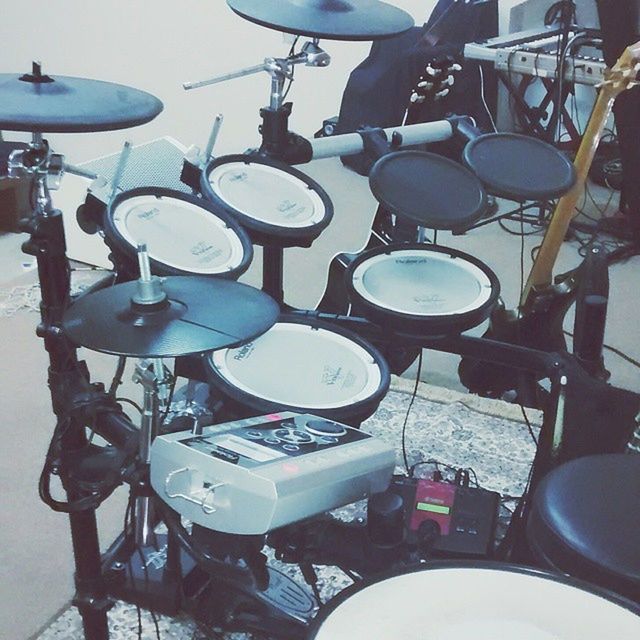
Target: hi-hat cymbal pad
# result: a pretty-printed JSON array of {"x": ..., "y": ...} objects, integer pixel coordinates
[
  {"x": 199, "y": 314},
  {"x": 328, "y": 19},
  {"x": 60, "y": 104}
]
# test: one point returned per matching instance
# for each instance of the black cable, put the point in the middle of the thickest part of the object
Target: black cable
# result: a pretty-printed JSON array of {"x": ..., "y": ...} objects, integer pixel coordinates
[
  {"x": 129, "y": 529},
  {"x": 448, "y": 467},
  {"x": 615, "y": 350},
  {"x": 87, "y": 502},
  {"x": 521, "y": 252},
  {"x": 529, "y": 427},
  {"x": 518, "y": 233},
  {"x": 291, "y": 52},
  {"x": 117, "y": 377},
  {"x": 138, "y": 550},
  {"x": 146, "y": 588},
  {"x": 406, "y": 417},
  {"x": 135, "y": 405},
  {"x": 170, "y": 398}
]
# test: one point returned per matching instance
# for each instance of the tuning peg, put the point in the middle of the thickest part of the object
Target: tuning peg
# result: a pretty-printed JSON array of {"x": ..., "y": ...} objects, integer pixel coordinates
[
  {"x": 442, "y": 94},
  {"x": 416, "y": 99},
  {"x": 455, "y": 67}
]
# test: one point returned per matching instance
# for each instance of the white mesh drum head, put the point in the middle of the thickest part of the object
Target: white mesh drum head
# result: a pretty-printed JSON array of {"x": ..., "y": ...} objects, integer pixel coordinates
[
  {"x": 479, "y": 604},
  {"x": 179, "y": 234},
  {"x": 421, "y": 282},
  {"x": 267, "y": 194},
  {"x": 301, "y": 366}
]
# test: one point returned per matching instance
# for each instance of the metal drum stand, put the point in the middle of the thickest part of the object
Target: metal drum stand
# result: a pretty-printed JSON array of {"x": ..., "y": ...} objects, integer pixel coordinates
[{"x": 68, "y": 377}]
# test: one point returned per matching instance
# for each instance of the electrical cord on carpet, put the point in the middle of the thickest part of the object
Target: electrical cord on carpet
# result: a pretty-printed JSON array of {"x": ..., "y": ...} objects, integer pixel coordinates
[
  {"x": 406, "y": 417},
  {"x": 129, "y": 529},
  {"x": 615, "y": 350}
]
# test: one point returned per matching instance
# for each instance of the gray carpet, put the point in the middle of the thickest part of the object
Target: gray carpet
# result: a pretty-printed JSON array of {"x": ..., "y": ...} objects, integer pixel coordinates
[{"x": 456, "y": 429}]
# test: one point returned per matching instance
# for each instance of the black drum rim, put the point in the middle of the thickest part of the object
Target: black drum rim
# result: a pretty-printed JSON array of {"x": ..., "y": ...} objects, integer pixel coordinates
[
  {"x": 428, "y": 325},
  {"x": 499, "y": 188},
  {"x": 357, "y": 411},
  {"x": 117, "y": 243},
  {"x": 264, "y": 233},
  {"x": 454, "y": 224},
  {"x": 435, "y": 565}
]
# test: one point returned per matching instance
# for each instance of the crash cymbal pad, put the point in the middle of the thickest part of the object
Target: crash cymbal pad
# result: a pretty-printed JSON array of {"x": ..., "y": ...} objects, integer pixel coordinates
[
  {"x": 38, "y": 102},
  {"x": 329, "y": 19}
]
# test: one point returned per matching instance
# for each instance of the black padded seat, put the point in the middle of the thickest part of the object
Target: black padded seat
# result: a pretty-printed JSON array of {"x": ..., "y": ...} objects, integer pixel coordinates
[
  {"x": 427, "y": 189},
  {"x": 518, "y": 167},
  {"x": 585, "y": 521}
]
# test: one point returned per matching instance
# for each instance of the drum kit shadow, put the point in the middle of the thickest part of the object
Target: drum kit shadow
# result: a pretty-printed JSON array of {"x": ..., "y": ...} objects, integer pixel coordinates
[{"x": 259, "y": 355}]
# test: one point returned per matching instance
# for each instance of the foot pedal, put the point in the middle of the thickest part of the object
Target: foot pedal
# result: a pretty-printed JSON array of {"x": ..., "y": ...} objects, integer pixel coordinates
[{"x": 286, "y": 595}]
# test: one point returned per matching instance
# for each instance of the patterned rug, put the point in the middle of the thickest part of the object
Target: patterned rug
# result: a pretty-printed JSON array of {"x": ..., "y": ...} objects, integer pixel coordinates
[{"x": 458, "y": 430}]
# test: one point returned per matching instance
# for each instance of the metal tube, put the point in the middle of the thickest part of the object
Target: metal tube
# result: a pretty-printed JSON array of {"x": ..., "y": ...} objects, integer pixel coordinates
[
  {"x": 143, "y": 263},
  {"x": 224, "y": 77},
  {"x": 79, "y": 171},
  {"x": 351, "y": 143},
  {"x": 148, "y": 429},
  {"x": 213, "y": 136},
  {"x": 122, "y": 161}
]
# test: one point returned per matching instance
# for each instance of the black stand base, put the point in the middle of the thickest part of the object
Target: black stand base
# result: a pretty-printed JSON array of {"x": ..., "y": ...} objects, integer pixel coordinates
[{"x": 144, "y": 576}]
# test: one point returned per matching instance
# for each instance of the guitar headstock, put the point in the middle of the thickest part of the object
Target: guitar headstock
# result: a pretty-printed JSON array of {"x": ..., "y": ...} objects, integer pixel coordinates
[
  {"x": 437, "y": 79},
  {"x": 624, "y": 72}
]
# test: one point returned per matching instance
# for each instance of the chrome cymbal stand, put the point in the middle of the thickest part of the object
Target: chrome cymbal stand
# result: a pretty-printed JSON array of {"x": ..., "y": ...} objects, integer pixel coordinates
[
  {"x": 155, "y": 380},
  {"x": 277, "y": 140}
]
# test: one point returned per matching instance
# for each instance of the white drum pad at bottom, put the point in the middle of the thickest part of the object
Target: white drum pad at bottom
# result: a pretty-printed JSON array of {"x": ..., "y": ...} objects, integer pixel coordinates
[{"x": 477, "y": 604}]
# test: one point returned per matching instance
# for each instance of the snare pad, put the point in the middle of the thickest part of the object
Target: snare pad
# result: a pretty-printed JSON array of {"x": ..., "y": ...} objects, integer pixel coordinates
[{"x": 303, "y": 366}]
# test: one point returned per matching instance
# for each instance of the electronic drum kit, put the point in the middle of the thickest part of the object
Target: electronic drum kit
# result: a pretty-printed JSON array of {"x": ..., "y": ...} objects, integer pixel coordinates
[{"x": 259, "y": 355}]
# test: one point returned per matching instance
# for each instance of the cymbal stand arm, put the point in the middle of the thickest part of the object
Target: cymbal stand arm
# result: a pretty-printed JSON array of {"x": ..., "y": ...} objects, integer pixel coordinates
[{"x": 277, "y": 140}]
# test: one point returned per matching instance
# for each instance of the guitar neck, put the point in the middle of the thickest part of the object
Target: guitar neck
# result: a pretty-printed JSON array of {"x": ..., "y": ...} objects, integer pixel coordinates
[
  {"x": 620, "y": 77},
  {"x": 542, "y": 271}
]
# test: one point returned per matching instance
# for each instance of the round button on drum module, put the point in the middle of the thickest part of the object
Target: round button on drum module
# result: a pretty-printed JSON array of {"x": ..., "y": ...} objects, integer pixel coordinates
[{"x": 325, "y": 428}]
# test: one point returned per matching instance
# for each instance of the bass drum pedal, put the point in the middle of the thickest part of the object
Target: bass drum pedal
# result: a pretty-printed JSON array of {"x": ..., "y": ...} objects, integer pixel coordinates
[{"x": 282, "y": 610}]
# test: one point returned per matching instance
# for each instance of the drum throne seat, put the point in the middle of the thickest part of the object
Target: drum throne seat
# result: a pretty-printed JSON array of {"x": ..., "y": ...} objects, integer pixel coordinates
[{"x": 585, "y": 521}]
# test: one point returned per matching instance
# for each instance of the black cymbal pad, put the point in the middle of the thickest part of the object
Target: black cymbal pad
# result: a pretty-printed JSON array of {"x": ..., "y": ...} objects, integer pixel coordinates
[
  {"x": 329, "y": 19},
  {"x": 519, "y": 167},
  {"x": 201, "y": 314},
  {"x": 430, "y": 190},
  {"x": 62, "y": 104}
]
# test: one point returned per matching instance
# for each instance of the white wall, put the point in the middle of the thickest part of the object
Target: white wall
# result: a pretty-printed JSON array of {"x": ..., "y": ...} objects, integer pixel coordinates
[{"x": 155, "y": 45}]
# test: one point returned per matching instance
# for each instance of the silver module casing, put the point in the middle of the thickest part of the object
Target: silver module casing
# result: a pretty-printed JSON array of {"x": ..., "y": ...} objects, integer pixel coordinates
[{"x": 265, "y": 488}]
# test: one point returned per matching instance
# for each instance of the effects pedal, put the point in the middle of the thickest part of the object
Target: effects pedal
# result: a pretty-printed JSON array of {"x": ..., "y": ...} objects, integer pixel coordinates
[{"x": 466, "y": 517}]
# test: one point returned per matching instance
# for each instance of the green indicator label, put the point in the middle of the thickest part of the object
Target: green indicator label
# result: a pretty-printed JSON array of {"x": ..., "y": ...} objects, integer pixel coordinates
[{"x": 434, "y": 508}]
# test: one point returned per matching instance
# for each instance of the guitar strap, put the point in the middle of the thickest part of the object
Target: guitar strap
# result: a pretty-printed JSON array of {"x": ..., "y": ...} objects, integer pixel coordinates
[{"x": 619, "y": 25}]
